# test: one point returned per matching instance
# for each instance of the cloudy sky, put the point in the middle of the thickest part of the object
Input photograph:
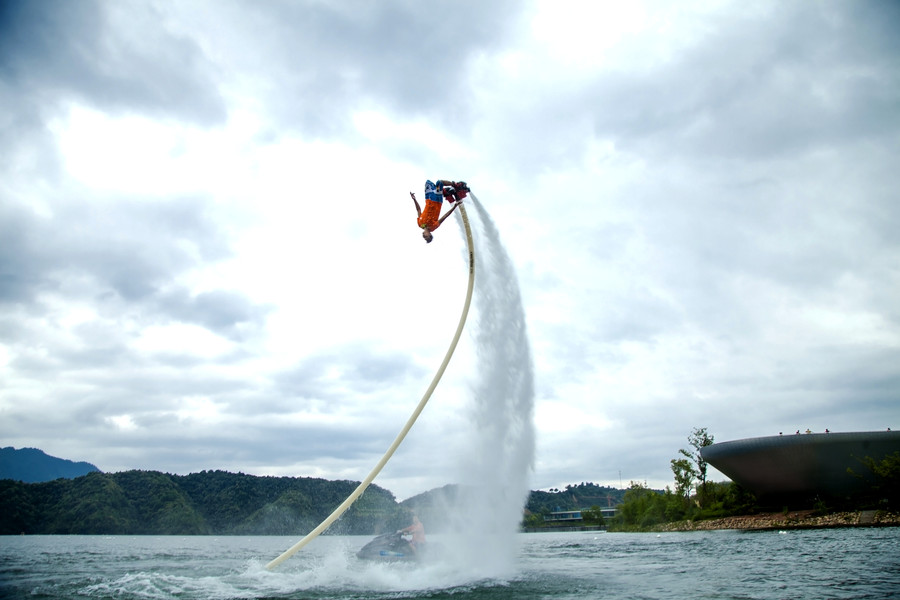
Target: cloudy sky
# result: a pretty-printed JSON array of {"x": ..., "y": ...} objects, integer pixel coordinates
[{"x": 209, "y": 259}]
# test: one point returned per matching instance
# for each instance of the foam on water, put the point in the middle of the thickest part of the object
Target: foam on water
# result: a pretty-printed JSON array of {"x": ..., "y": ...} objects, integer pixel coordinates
[
  {"x": 730, "y": 565},
  {"x": 338, "y": 570}
]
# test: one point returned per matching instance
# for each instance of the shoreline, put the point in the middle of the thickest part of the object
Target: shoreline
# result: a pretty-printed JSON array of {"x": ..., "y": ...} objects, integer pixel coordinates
[{"x": 796, "y": 519}]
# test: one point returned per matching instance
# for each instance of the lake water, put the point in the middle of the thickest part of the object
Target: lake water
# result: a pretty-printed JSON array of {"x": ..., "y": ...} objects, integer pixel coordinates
[{"x": 808, "y": 564}]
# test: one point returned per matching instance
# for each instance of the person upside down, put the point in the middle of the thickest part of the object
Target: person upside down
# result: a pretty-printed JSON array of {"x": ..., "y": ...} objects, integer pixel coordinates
[{"x": 430, "y": 218}]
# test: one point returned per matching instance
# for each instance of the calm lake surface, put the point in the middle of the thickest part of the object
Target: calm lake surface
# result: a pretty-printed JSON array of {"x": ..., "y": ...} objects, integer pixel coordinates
[{"x": 808, "y": 564}]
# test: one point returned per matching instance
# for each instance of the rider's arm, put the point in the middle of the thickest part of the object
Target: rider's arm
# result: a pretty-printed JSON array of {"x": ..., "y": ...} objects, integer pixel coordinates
[
  {"x": 416, "y": 202},
  {"x": 449, "y": 212}
]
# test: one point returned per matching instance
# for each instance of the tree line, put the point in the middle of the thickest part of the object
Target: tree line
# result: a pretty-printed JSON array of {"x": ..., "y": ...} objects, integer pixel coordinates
[
  {"x": 695, "y": 498},
  {"x": 588, "y": 497},
  {"x": 205, "y": 503},
  {"x": 222, "y": 503}
]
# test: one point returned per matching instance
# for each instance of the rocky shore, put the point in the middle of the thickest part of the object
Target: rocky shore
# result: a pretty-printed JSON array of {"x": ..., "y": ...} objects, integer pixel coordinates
[{"x": 791, "y": 520}]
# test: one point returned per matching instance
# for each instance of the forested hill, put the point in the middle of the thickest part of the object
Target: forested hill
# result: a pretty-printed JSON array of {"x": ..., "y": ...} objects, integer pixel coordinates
[
  {"x": 574, "y": 497},
  {"x": 209, "y": 502},
  {"x": 222, "y": 503},
  {"x": 32, "y": 465},
  {"x": 432, "y": 506}
]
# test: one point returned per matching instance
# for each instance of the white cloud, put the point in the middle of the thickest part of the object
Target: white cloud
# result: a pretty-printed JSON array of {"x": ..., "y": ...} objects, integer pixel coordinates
[
  {"x": 211, "y": 225},
  {"x": 177, "y": 338},
  {"x": 122, "y": 422}
]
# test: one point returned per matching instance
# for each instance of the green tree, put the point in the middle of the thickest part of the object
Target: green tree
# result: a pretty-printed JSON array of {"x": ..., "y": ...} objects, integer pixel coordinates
[
  {"x": 593, "y": 516},
  {"x": 725, "y": 499},
  {"x": 163, "y": 508},
  {"x": 698, "y": 440},
  {"x": 684, "y": 477},
  {"x": 533, "y": 520},
  {"x": 18, "y": 514},
  {"x": 92, "y": 504},
  {"x": 884, "y": 478},
  {"x": 642, "y": 507}
]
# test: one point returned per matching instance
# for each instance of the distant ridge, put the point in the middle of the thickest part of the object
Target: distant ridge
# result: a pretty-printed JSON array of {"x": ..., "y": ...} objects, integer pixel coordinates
[{"x": 31, "y": 465}]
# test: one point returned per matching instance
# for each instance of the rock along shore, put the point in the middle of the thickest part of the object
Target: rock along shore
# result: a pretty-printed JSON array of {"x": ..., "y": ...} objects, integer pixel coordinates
[{"x": 790, "y": 520}]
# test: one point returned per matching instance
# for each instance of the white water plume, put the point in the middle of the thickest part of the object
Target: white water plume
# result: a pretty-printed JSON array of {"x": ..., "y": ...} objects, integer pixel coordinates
[{"x": 495, "y": 468}]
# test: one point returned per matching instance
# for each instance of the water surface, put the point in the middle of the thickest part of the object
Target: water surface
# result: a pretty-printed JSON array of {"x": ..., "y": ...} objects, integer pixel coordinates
[{"x": 808, "y": 564}]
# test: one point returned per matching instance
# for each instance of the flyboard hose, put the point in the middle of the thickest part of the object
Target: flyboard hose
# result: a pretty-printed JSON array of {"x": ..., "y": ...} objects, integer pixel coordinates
[{"x": 409, "y": 423}]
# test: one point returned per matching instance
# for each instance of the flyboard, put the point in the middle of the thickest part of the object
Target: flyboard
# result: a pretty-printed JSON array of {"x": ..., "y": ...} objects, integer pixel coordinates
[{"x": 409, "y": 423}]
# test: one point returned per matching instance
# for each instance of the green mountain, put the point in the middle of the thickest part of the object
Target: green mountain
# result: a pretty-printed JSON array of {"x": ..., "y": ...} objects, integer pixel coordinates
[
  {"x": 210, "y": 502},
  {"x": 40, "y": 494},
  {"x": 221, "y": 503}
]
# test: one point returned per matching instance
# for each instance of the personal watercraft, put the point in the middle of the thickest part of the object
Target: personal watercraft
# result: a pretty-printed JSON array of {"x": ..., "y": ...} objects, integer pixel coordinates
[{"x": 392, "y": 547}]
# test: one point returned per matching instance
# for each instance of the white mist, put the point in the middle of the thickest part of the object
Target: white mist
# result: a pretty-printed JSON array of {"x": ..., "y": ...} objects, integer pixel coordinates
[{"x": 498, "y": 456}]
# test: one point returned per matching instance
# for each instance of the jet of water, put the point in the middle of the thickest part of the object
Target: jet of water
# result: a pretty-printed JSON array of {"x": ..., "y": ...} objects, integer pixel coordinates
[{"x": 498, "y": 461}]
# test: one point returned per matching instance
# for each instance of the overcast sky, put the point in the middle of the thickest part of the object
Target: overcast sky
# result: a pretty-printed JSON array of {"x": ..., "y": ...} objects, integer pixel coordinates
[{"x": 209, "y": 257}]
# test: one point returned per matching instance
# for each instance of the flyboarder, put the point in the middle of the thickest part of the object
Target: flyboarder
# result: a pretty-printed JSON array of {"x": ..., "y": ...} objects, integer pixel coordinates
[{"x": 430, "y": 218}]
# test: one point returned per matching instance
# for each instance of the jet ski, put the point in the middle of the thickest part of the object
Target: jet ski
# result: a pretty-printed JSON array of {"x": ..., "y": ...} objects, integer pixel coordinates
[{"x": 391, "y": 547}]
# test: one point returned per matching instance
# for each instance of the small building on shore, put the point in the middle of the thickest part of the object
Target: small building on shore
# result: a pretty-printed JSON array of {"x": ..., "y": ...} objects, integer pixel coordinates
[{"x": 571, "y": 516}]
